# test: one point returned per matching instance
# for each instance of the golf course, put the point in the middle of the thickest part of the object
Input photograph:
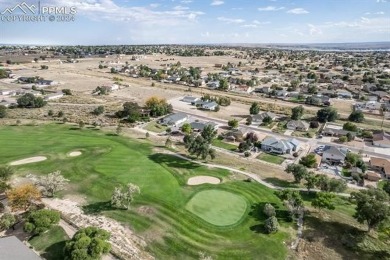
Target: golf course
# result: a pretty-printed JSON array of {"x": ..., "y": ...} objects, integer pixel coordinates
[{"x": 222, "y": 220}]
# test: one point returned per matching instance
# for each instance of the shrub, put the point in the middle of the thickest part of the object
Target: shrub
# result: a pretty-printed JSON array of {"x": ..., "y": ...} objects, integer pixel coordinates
[{"x": 271, "y": 225}]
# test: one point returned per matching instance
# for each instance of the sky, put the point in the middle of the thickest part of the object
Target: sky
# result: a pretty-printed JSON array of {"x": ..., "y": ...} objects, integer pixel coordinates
[{"x": 104, "y": 22}]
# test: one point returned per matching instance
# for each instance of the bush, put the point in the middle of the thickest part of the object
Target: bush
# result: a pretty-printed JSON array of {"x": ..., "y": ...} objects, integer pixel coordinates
[
  {"x": 269, "y": 210},
  {"x": 3, "y": 111},
  {"x": 29, "y": 100},
  {"x": 271, "y": 225},
  {"x": 314, "y": 124},
  {"x": 7, "y": 221},
  {"x": 67, "y": 92},
  {"x": 41, "y": 220},
  {"x": 98, "y": 111},
  {"x": 247, "y": 154}
]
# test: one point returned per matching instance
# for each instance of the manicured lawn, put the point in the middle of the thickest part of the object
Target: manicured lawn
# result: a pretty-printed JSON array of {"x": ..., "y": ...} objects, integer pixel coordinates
[
  {"x": 51, "y": 243},
  {"x": 171, "y": 231},
  {"x": 224, "y": 145},
  {"x": 211, "y": 206},
  {"x": 270, "y": 158},
  {"x": 155, "y": 127}
]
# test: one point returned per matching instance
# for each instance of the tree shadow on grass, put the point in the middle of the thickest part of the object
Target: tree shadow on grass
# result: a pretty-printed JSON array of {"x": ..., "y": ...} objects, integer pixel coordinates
[
  {"x": 97, "y": 207},
  {"x": 172, "y": 161},
  {"x": 54, "y": 251},
  {"x": 257, "y": 212},
  {"x": 111, "y": 134},
  {"x": 281, "y": 183},
  {"x": 74, "y": 128}
]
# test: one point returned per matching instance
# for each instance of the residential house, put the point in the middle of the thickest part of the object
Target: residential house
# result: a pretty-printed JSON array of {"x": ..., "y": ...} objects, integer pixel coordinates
[
  {"x": 174, "y": 120},
  {"x": 341, "y": 93},
  {"x": 272, "y": 145},
  {"x": 213, "y": 84},
  {"x": 372, "y": 176},
  {"x": 334, "y": 155},
  {"x": 260, "y": 117},
  {"x": 298, "y": 125},
  {"x": 235, "y": 135},
  {"x": 209, "y": 105},
  {"x": 190, "y": 99},
  {"x": 12, "y": 248},
  {"x": 45, "y": 82},
  {"x": 243, "y": 89},
  {"x": 381, "y": 165},
  {"x": 198, "y": 126},
  {"x": 330, "y": 129},
  {"x": 7, "y": 92},
  {"x": 381, "y": 139}
]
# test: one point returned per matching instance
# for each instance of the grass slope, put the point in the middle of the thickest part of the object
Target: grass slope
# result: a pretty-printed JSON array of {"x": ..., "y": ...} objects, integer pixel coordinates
[
  {"x": 159, "y": 212},
  {"x": 51, "y": 243}
]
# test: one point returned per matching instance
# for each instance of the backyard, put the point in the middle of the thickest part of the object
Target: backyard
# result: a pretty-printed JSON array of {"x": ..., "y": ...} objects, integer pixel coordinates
[{"x": 271, "y": 158}]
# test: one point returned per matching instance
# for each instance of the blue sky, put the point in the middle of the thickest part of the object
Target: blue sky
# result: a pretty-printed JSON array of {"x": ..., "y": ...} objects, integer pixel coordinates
[{"x": 206, "y": 21}]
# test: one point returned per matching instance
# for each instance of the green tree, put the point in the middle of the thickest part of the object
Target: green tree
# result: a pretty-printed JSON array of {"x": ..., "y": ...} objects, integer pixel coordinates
[
  {"x": 328, "y": 114},
  {"x": 3, "y": 111},
  {"x": 343, "y": 139},
  {"x": 309, "y": 160},
  {"x": 310, "y": 181},
  {"x": 124, "y": 195},
  {"x": 6, "y": 172},
  {"x": 198, "y": 146},
  {"x": 223, "y": 84},
  {"x": 324, "y": 200},
  {"x": 209, "y": 133},
  {"x": 233, "y": 123},
  {"x": 39, "y": 221},
  {"x": 7, "y": 221},
  {"x": 254, "y": 109},
  {"x": 372, "y": 207},
  {"x": 292, "y": 199},
  {"x": 81, "y": 124},
  {"x": 386, "y": 187},
  {"x": 168, "y": 143},
  {"x": 271, "y": 225},
  {"x": 356, "y": 116},
  {"x": 98, "y": 111},
  {"x": 297, "y": 112},
  {"x": 269, "y": 210},
  {"x": 267, "y": 120},
  {"x": 299, "y": 171},
  {"x": 186, "y": 128},
  {"x": 348, "y": 126},
  {"x": 87, "y": 244},
  {"x": 29, "y": 100}
]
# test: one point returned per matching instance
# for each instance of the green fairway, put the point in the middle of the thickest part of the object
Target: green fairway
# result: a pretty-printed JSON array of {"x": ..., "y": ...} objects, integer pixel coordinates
[
  {"x": 218, "y": 207},
  {"x": 159, "y": 213}
]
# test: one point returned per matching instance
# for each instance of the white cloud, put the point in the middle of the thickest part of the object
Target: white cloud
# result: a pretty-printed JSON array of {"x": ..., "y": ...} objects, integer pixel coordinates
[
  {"x": 186, "y": 1},
  {"x": 179, "y": 7},
  {"x": 313, "y": 30},
  {"x": 270, "y": 8},
  {"x": 154, "y": 5},
  {"x": 297, "y": 11},
  {"x": 217, "y": 2},
  {"x": 230, "y": 20},
  {"x": 250, "y": 25},
  {"x": 108, "y": 10}
]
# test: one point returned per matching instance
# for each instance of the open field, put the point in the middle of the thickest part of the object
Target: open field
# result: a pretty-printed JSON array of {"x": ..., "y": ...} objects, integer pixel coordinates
[{"x": 159, "y": 214}]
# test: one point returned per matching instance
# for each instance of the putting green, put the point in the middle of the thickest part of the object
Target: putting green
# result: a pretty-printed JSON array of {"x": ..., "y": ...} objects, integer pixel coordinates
[{"x": 218, "y": 207}]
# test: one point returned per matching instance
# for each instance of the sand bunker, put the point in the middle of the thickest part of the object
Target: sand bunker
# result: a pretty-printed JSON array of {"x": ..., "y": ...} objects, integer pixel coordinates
[
  {"x": 202, "y": 180},
  {"x": 29, "y": 160},
  {"x": 74, "y": 153}
]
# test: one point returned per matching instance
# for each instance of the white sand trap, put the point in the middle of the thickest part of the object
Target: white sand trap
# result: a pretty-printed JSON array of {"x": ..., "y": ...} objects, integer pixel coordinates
[
  {"x": 29, "y": 160},
  {"x": 74, "y": 153},
  {"x": 202, "y": 180}
]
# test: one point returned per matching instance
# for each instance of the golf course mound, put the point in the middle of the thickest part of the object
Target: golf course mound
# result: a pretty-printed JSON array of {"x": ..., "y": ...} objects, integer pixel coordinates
[
  {"x": 218, "y": 207},
  {"x": 29, "y": 160},
  {"x": 198, "y": 180},
  {"x": 74, "y": 154}
]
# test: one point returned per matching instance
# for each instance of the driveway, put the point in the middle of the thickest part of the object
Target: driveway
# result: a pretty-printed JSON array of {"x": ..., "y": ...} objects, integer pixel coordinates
[{"x": 288, "y": 132}]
